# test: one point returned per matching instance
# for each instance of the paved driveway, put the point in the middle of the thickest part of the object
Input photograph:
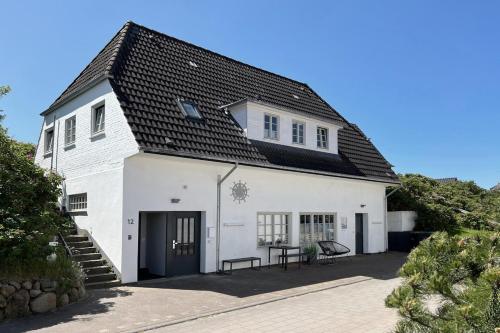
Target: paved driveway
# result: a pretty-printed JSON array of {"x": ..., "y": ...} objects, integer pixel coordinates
[{"x": 334, "y": 298}]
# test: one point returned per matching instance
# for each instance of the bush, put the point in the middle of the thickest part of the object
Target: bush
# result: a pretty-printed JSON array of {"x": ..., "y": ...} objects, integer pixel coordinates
[{"x": 460, "y": 276}]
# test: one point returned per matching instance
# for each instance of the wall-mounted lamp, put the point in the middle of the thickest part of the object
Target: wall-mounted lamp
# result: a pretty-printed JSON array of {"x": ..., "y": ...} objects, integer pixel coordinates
[
  {"x": 175, "y": 200},
  {"x": 362, "y": 205},
  {"x": 130, "y": 221}
]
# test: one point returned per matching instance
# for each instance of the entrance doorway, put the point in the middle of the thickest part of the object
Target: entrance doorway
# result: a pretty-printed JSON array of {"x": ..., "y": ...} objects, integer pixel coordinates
[
  {"x": 361, "y": 225},
  {"x": 169, "y": 244}
]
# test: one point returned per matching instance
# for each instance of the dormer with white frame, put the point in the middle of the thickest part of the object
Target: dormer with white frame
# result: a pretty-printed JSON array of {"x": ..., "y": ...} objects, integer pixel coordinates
[{"x": 267, "y": 122}]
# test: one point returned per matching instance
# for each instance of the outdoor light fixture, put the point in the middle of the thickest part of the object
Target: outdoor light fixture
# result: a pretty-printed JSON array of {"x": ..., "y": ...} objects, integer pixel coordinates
[
  {"x": 363, "y": 205},
  {"x": 175, "y": 200}
]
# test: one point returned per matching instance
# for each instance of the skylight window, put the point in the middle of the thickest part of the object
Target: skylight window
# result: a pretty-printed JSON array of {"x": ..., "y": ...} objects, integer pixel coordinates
[{"x": 189, "y": 109}]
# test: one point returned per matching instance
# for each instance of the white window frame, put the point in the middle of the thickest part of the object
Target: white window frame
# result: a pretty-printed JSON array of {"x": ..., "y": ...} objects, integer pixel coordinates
[
  {"x": 47, "y": 149},
  {"x": 313, "y": 235},
  {"x": 319, "y": 137},
  {"x": 94, "y": 130},
  {"x": 268, "y": 134},
  {"x": 77, "y": 202},
  {"x": 273, "y": 232},
  {"x": 299, "y": 123},
  {"x": 70, "y": 131}
]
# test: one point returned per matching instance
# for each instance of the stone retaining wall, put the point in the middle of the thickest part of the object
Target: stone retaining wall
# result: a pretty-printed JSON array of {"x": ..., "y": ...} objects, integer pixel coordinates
[{"x": 22, "y": 298}]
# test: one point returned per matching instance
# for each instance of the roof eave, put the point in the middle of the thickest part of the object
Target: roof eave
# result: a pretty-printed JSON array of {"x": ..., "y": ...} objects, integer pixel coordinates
[
  {"x": 77, "y": 92},
  {"x": 160, "y": 151}
]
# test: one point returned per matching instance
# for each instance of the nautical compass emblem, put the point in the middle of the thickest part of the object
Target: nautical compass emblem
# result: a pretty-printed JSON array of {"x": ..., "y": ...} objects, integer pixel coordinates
[{"x": 239, "y": 191}]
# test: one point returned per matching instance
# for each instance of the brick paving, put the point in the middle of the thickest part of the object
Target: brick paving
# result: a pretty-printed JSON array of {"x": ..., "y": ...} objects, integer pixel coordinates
[{"x": 256, "y": 296}]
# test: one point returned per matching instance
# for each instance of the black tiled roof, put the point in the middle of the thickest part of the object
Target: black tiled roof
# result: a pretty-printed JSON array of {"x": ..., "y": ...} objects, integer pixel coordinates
[{"x": 149, "y": 71}]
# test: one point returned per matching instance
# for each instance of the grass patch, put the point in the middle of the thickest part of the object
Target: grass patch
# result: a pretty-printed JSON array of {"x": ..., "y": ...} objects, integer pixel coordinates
[{"x": 473, "y": 232}]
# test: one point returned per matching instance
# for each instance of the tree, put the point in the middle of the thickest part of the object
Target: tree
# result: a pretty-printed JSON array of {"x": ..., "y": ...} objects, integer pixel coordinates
[
  {"x": 28, "y": 211},
  {"x": 451, "y": 284}
]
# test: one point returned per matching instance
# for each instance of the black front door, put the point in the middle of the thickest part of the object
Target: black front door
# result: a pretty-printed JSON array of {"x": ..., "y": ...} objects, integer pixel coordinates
[
  {"x": 359, "y": 233},
  {"x": 183, "y": 243}
]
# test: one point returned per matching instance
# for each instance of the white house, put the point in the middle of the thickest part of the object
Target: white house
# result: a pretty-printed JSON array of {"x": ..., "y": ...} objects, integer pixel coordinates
[{"x": 175, "y": 158}]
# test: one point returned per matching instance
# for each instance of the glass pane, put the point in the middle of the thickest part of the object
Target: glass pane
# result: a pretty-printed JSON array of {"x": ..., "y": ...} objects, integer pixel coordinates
[
  {"x": 191, "y": 230},
  {"x": 179, "y": 230},
  {"x": 260, "y": 219},
  {"x": 260, "y": 230},
  {"x": 185, "y": 230}
]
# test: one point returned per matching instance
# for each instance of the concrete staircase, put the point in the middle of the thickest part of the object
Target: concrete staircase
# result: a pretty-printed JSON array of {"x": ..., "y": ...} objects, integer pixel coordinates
[{"x": 98, "y": 272}]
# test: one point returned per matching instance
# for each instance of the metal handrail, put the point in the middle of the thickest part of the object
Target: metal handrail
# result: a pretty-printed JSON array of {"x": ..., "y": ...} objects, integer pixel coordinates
[{"x": 66, "y": 247}]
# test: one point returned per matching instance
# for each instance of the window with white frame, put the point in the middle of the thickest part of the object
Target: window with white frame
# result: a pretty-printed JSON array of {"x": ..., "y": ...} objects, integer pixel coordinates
[
  {"x": 322, "y": 137},
  {"x": 298, "y": 132},
  {"x": 98, "y": 119},
  {"x": 70, "y": 131},
  {"x": 49, "y": 140},
  {"x": 316, "y": 227},
  {"x": 77, "y": 202},
  {"x": 189, "y": 108},
  {"x": 272, "y": 228},
  {"x": 271, "y": 126}
]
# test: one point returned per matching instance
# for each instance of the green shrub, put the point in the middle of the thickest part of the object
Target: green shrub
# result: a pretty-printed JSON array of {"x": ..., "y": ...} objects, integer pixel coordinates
[{"x": 460, "y": 275}]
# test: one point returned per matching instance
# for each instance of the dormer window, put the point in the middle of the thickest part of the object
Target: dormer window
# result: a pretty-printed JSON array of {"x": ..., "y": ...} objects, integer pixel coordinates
[
  {"x": 322, "y": 137},
  {"x": 271, "y": 125},
  {"x": 298, "y": 132},
  {"x": 189, "y": 109}
]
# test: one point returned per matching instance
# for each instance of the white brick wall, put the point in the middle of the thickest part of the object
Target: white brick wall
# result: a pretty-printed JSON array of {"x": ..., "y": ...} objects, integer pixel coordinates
[{"x": 93, "y": 165}]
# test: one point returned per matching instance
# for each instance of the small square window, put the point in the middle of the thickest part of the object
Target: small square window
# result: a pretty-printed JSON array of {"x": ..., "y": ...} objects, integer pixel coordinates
[
  {"x": 271, "y": 126},
  {"x": 189, "y": 109},
  {"x": 49, "y": 140},
  {"x": 322, "y": 137},
  {"x": 98, "y": 117},
  {"x": 70, "y": 131},
  {"x": 77, "y": 202},
  {"x": 298, "y": 132}
]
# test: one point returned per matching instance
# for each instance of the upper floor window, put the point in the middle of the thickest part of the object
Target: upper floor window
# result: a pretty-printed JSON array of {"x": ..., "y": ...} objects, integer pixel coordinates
[
  {"x": 271, "y": 125},
  {"x": 98, "y": 115},
  {"x": 322, "y": 137},
  {"x": 189, "y": 109},
  {"x": 298, "y": 132},
  {"x": 49, "y": 140},
  {"x": 70, "y": 131}
]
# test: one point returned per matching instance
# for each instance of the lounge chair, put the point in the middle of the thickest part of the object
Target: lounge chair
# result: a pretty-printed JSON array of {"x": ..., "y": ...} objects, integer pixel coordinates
[{"x": 330, "y": 250}]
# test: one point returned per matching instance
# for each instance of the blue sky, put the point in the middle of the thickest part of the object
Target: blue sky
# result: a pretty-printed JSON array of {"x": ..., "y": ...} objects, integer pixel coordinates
[{"x": 421, "y": 78}]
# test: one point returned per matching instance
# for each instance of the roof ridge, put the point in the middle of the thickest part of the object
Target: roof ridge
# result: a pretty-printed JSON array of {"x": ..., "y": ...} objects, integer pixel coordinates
[
  {"x": 112, "y": 60},
  {"x": 218, "y": 54}
]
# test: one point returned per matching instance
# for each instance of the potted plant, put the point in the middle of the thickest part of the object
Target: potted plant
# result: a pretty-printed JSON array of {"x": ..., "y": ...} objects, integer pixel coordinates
[{"x": 311, "y": 251}]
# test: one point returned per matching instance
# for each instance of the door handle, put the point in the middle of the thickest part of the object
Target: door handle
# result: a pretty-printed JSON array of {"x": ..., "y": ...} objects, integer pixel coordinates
[{"x": 174, "y": 243}]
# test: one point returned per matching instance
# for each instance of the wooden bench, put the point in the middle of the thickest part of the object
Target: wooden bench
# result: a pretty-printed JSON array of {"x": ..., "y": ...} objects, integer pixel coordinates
[{"x": 231, "y": 261}]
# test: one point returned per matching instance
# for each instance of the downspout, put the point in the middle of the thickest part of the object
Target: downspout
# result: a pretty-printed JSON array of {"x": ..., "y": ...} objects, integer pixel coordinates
[
  {"x": 386, "y": 241},
  {"x": 220, "y": 180}
]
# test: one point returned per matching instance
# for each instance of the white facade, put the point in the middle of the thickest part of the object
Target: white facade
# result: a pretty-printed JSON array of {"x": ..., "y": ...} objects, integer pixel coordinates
[
  {"x": 401, "y": 221},
  {"x": 250, "y": 117},
  {"x": 121, "y": 182}
]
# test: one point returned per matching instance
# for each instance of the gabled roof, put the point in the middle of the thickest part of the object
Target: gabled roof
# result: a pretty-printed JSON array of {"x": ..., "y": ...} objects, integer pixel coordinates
[{"x": 149, "y": 71}]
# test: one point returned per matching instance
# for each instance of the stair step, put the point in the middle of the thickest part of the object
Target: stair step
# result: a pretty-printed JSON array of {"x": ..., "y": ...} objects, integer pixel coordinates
[
  {"x": 92, "y": 263},
  {"x": 84, "y": 250},
  {"x": 97, "y": 270},
  {"x": 104, "y": 284},
  {"x": 78, "y": 245},
  {"x": 100, "y": 277},
  {"x": 75, "y": 238},
  {"x": 87, "y": 256}
]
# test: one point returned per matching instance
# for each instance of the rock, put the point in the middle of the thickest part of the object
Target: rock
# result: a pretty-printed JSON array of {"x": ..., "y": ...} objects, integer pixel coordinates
[
  {"x": 18, "y": 305},
  {"x": 73, "y": 295},
  {"x": 36, "y": 285},
  {"x": 35, "y": 292},
  {"x": 17, "y": 285},
  {"x": 27, "y": 285},
  {"x": 3, "y": 302},
  {"x": 45, "y": 284},
  {"x": 43, "y": 303},
  {"x": 63, "y": 300},
  {"x": 7, "y": 290}
]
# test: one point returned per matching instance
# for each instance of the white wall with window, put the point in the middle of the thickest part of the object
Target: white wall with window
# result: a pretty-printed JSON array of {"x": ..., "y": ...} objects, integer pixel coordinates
[
  {"x": 273, "y": 228},
  {"x": 268, "y": 123},
  {"x": 77, "y": 202},
  {"x": 49, "y": 140},
  {"x": 98, "y": 117},
  {"x": 70, "y": 131}
]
